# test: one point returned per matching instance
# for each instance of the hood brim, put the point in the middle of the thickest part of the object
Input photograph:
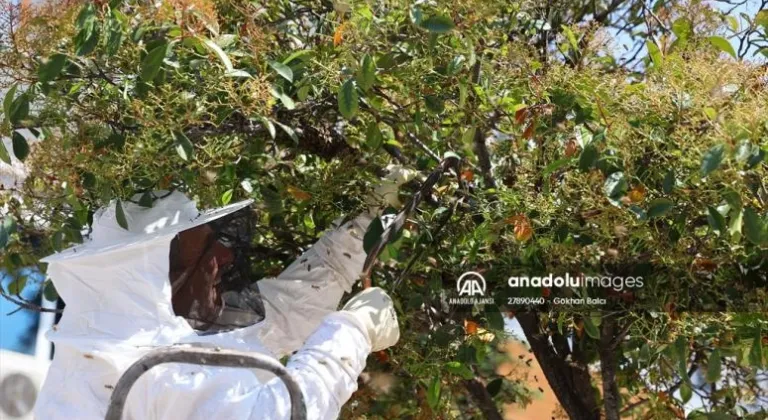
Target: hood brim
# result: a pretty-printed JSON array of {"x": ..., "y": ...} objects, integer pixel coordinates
[{"x": 89, "y": 248}]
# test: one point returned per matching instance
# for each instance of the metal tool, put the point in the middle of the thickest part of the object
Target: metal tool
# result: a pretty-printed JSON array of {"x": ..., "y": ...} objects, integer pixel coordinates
[{"x": 390, "y": 233}]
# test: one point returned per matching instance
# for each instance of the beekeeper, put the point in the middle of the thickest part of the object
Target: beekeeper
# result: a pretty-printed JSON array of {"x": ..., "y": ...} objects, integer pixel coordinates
[{"x": 126, "y": 296}]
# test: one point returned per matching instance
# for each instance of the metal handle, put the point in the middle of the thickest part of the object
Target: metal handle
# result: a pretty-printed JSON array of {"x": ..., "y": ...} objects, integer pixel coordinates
[
  {"x": 208, "y": 357},
  {"x": 390, "y": 233}
]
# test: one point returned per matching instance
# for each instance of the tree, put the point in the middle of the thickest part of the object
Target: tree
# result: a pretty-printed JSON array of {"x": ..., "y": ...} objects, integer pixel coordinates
[{"x": 575, "y": 159}]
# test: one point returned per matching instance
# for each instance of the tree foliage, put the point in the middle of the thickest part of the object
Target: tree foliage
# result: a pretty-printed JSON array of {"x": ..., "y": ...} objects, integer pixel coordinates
[{"x": 577, "y": 158}]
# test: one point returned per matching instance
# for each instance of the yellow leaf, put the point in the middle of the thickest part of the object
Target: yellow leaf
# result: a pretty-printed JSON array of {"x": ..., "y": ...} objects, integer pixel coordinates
[
  {"x": 523, "y": 230},
  {"x": 298, "y": 193},
  {"x": 338, "y": 35},
  {"x": 637, "y": 194},
  {"x": 470, "y": 327}
]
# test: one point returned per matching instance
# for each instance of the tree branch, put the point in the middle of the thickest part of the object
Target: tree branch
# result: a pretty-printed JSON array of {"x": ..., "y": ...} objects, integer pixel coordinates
[{"x": 483, "y": 399}]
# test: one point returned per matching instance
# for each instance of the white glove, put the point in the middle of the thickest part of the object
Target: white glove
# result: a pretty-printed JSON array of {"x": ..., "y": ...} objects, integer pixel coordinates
[
  {"x": 385, "y": 194},
  {"x": 374, "y": 309}
]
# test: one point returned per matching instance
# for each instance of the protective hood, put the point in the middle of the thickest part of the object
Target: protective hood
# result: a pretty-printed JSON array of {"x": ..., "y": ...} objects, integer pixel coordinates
[
  {"x": 116, "y": 285},
  {"x": 119, "y": 303},
  {"x": 123, "y": 296}
]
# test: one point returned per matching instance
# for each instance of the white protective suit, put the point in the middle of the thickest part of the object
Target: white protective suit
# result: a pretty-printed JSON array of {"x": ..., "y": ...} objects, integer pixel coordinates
[{"x": 119, "y": 309}]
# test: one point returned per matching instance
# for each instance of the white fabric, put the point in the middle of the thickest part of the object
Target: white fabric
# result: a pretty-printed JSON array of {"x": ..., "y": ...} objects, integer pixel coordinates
[
  {"x": 386, "y": 192},
  {"x": 375, "y": 310},
  {"x": 119, "y": 309},
  {"x": 169, "y": 215}
]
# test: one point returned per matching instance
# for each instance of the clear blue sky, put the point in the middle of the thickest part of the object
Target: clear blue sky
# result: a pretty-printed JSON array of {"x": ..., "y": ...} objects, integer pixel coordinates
[{"x": 13, "y": 328}]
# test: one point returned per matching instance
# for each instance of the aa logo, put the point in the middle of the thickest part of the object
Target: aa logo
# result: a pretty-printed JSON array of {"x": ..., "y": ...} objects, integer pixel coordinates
[{"x": 471, "y": 283}]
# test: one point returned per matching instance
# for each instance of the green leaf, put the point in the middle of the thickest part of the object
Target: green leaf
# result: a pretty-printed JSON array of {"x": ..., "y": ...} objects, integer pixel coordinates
[
  {"x": 226, "y": 40},
  {"x": 455, "y": 65},
  {"x": 494, "y": 387},
  {"x": 744, "y": 150},
  {"x": 761, "y": 18},
  {"x": 416, "y": 15},
  {"x": 495, "y": 318},
  {"x": 756, "y": 158},
  {"x": 289, "y": 131},
  {"x": 645, "y": 353},
  {"x": 459, "y": 369},
  {"x": 638, "y": 212},
  {"x": 238, "y": 73},
  {"x": 723, "y": 45},
  {"x": 685, "y": 392},
  {"x": 211, "y": 46},
  {"x": 120, "y": 214},
  {"x": 366, "y": 74},
  {"x": 17, "y": 286},
  {"x": 756, "y": 352},
  {"x": 734, "y": 227},
  {"x": 146, "y": 200},
  {"x": 4, "y": 155},
  {"x": 19, "y": 108},
  {"x": 282, "y": 70},
  {"x": 8, "y": 100},
  {"x": 669, "y": 182},
  {"x": 184, "y": 146},
  {"x": 3, "y": 238},
  {"x": 716, "y": 220},
  {"x": 375, "y": 229},
  {"x": 433, "y": 392},
  {"x": 451, "y": 155},
  {"x": 571, "y": 37},
  {"x": 49, "y": 291},
  {"x": 655, "y": 53},
  {"x": 115, "y": 33},
  {"x": 716, "y": 415},
  {"x": 270, "y": 127},
  {"x": 468, "y": 137},
  {"x": 298, "y": 54},
  {"x": 438, "y": 24},
  {"x": 615, "y": 185},
  {"x": 591, "y": 328},
  {"x": 152, "y": 62},
  {"x": 277, "y": 92},
  {"x": 20, "y": 146},
  {"x": 713, "y": 367},
  {"x": 87, "y": 39},
  {"x": 754, "y": 227},
  {"x": 434, "y": 104},
  {"x": 226, "y": 198},
  {"x": 272, "y": 200},
  {"x": 347, "y": 98},
  {"x": 9, "y": 224},
  {"x": 588, "y": 157},
  {"x": 712, "y": 159},
  {"x": 659, "y": 207},
  {"x": 51, "y": 69},
  {"x": 373, "y": 136},
  {"x": 303, "y": 92},
  {"x": 683, "y": 28},
  {"x": 552, "y": 167},
  {"x": 733, "y": 23}
]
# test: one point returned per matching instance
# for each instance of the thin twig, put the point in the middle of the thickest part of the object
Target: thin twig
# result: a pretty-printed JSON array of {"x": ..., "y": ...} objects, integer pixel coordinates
[{"x": 27, "y": 304}]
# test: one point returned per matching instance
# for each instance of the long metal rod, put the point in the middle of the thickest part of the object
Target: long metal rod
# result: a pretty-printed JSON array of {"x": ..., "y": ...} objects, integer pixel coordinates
[
  {"x": 390, "y": 233},
  {"x": 208, "y": 357}
]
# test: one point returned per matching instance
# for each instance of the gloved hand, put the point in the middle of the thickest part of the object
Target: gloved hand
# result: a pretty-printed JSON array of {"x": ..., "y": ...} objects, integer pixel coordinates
[
  {"x": 385, "y": 194},
  {"x": 373, "y": 308}
]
